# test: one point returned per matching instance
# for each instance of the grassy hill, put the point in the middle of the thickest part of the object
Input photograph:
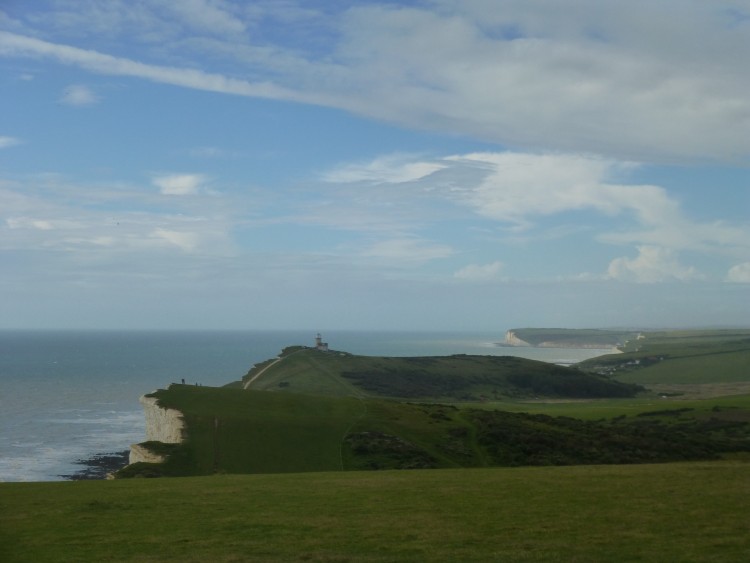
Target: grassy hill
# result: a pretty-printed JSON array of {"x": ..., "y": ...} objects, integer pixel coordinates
[
  {"x": 685, "y": 512},
  {"x": 678, "y": 362},
  {"x": 439, "y": 378},
  {"x": 237, "y": 431}
]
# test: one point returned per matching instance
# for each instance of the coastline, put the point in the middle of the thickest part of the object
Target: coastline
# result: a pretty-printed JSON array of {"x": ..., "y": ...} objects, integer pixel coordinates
[
  {"x": 86, "y": 384},
  {"x": 99, "y": 466}
]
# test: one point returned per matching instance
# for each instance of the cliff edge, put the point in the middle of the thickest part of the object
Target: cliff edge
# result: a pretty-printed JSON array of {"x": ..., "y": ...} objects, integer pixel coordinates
[
  {"x": 567, "y": 338},
  {"x": 511, "y": 339},
  {"x": 162, "y": 425}
]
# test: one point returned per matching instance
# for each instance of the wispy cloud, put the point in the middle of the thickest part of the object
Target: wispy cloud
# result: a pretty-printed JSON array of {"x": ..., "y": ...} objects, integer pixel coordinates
[
  {"x": 481, "y": 272},
  {"x": 624, "y": 84},
  {"x": 79, "y": 95},
  {"x": 208, "y": 15},
  {"x": 186, "y": 241},
  {"x": 131, "y": 224},
  {"x": 739, "y": 273},
  {"x": 179, "y": 184},
  {"x": 6, "y": 142},
  {"x": 533, "y": 197},
  {"x": 386, "y": 169},
  {"x": 14, "y": 44},
  {"x": 407, "y": 250}
]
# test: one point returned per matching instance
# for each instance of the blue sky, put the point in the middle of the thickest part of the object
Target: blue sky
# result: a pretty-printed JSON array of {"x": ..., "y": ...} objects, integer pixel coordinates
[{"x": 443, "y": 164}]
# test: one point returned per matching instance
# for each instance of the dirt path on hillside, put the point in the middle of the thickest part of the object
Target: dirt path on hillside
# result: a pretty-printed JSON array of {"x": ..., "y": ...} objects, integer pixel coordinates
[
  {"x": 261, "y": 372},
  {"x": 269, "y": 366}
]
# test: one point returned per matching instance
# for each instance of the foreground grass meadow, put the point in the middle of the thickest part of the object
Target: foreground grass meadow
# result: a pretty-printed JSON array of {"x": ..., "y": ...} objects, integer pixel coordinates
[{"x": 667, "y": 512}]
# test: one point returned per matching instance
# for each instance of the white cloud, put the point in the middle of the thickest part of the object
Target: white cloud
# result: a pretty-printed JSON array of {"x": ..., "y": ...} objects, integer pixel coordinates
[
  {"x": 212, "y": 152},
  {"x": 533, "y": 197},
  {"x": 214, "y": 16},
  {"x": 520, "y": 186},
  {"x": 388, "y": 169},
  {"x": 481, "y": 272},
  {"x": 179, "y": 184},
  {"x": 6, "y": 142},
  {"x": 29, "y": 223},
  {"x": 653, "y": 264},
  {"x": 130, "y": 222},
  {"x": 186, "y": 241},
  {"x": 516, "y": 188},
  {"x": 739, "y": 273},
  {"x": 14, "y": 44},
  {"x": 590, "y": 76},
  {"x": 79, "y": 95},
  {"x": 619, "y": 86}
]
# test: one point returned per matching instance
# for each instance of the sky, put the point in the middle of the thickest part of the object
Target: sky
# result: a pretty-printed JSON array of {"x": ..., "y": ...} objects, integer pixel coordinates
[{"x": 458, "y": 165}]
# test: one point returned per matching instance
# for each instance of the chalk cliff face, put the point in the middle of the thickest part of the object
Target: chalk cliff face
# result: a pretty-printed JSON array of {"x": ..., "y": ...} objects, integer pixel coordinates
[
  {"x": 141, "y": 453},
  {"x": 512, "y": 340},
  {"x": 162, "y": 425}
]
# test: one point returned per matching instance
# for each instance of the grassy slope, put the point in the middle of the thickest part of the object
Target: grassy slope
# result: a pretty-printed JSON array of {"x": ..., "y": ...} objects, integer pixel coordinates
[
  {"x": 252, "y": 432},
  {"x": 235, "y": 431},
  {"x": 444, "y": 378},
  {"x": 682, "y": 357},
  {"x": 677, "y": 512}
]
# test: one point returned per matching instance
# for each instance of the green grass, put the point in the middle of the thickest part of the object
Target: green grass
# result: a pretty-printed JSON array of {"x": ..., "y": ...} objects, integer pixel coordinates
[
  {"x": 688, "y": 512},
  {"x": 439, "y": 378},
  {"x": 239, "y": 431},
  {"x": 681, "y": 357},
  {"x": 695, "y": 367}
]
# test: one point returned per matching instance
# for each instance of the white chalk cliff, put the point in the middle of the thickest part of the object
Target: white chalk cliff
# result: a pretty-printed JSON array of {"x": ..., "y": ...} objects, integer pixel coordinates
[
  {"x": 162, "y": 425},
  {"x": 512, "y": 340}
]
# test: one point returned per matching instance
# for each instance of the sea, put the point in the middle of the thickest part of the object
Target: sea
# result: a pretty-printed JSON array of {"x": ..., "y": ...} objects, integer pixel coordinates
[{"x": 70, "y": 397}]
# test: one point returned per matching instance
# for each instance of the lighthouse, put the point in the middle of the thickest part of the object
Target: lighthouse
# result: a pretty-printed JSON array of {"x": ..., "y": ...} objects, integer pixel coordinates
[{"x": 320, "y": 345}]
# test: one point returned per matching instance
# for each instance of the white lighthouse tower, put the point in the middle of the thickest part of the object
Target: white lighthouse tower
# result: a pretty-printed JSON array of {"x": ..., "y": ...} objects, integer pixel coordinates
[{"x": 320, "y": 345}]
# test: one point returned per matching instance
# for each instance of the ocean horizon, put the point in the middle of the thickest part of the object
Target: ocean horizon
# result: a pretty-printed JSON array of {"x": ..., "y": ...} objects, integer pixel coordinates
[{"x": 67, "y": 396}]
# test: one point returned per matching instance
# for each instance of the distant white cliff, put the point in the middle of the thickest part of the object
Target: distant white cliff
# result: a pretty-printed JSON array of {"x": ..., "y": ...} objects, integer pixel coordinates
[
  {"x": 512, "y": 340},
  {"x": 162, "y": 425}
]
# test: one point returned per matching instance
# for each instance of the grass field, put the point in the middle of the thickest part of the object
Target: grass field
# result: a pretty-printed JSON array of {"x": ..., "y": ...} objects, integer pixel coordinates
[
  {"x": 681, "y": 358},
  {"x": 238, "y": 431},
  {"x": 687, "y": 512},
  {"x": 433, "y": 378}
]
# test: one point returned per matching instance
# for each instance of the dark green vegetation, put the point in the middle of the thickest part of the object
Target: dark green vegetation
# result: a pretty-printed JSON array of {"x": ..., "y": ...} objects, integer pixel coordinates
[
  {"x": 573, "y": 338},
  {"x": 442, "y": 378},
  {"x": 687, "y": 512}
]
